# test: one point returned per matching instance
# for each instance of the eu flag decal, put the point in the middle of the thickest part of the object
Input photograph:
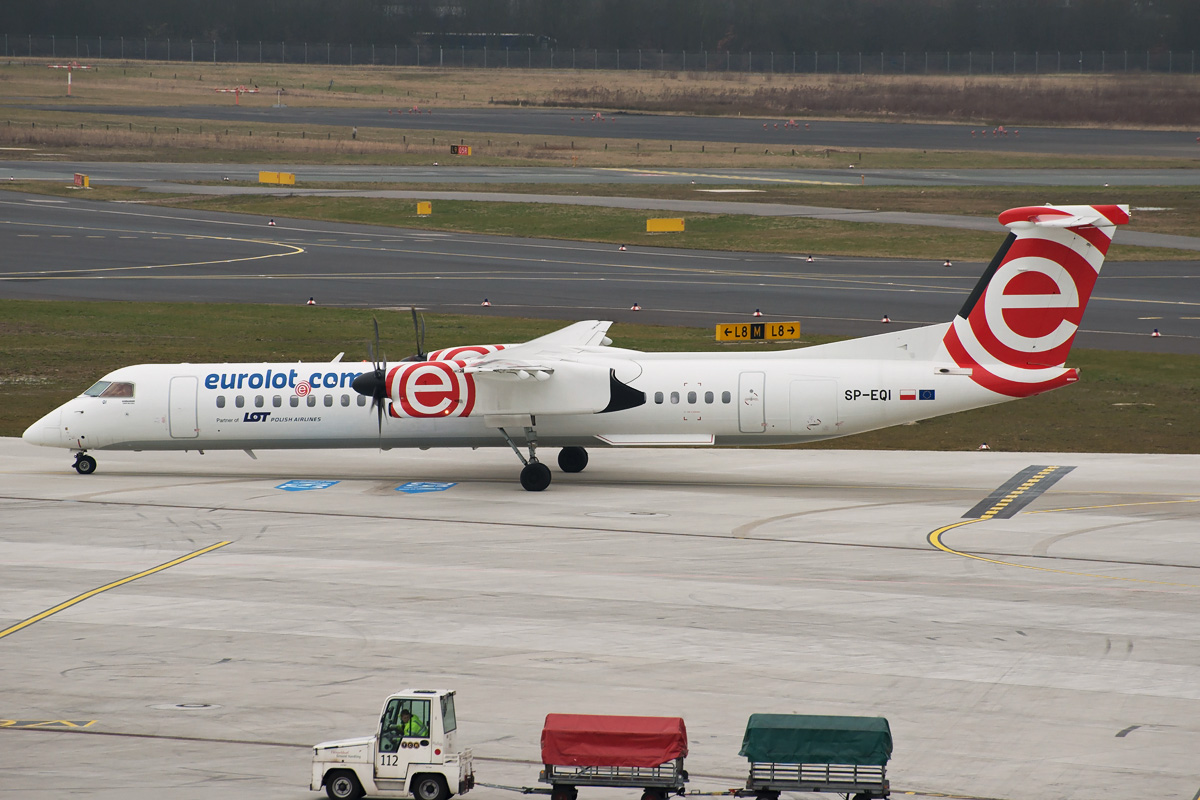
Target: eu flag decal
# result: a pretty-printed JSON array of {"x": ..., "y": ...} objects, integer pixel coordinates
[{"x": 926, "y": 394}]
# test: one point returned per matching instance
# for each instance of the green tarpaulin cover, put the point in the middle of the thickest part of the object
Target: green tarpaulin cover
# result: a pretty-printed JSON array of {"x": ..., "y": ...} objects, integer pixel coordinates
[{"x": 804, "y": 739}]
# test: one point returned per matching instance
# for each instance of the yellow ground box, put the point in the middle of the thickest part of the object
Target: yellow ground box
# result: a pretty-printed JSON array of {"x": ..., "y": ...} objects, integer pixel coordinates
[
  {"x": 757, "y": 331},
  {"x": 424, "y": 208},
  {"x": 82, "y": 180},
  {"x": 283, "y": 178},
  {"x": 664, "y": 225}
]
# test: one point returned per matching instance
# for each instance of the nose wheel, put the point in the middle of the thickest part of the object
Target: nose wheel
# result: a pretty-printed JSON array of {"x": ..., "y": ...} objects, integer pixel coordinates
[
  {"x": 535, "y": 476},
  {"x": 84, "y": 464}
]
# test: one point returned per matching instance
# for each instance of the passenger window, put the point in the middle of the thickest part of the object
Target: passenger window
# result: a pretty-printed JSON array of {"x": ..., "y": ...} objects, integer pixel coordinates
[
  {"x": 362, "y": 400},
  {"x": 220, "y": 401},
  {"x": 402, "y": 719},
  {"x": 328, "y": 400},
  {"x": 277, "y": 401},
  {"x": 691, "y": 398},
  {"x": 258, "y": 401},
  {"x": 239, "y": 401},
  {"x": 312, "y": 401},
  {"x": 708, "y": 397},
  {"x": 726, "y": 397},
  {"x": 293, "y": 401},
  {"x": 346, "y": 400},
  {"x": 674, "y": 397},
  {"x": 658, "y": 398}
]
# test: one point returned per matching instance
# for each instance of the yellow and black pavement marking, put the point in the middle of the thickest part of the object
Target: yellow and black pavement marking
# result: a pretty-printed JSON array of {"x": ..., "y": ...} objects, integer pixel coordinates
[
  {"x": 65, "y": 724},
  {"x": 1017, "y": 492},
  {"x": 92, "y": 593}
]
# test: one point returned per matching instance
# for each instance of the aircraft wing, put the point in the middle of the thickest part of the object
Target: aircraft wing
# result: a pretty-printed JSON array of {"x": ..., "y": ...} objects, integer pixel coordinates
[{"x": 538, "y": 357}]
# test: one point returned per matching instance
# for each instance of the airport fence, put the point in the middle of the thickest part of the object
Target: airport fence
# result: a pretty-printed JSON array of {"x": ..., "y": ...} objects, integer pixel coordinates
[{"x": 923, "y": 63}]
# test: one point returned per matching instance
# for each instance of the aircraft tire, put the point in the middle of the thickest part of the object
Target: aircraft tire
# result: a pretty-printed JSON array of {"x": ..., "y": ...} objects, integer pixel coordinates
[
  {"x": 572, "y": 459},
  {"x": 85, "y": 465},
  {"x": 535, "y": 476}
]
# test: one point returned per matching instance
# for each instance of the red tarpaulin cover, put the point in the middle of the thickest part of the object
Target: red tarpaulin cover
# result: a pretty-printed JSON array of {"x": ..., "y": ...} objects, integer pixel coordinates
[{"x": 589, "y": 740}]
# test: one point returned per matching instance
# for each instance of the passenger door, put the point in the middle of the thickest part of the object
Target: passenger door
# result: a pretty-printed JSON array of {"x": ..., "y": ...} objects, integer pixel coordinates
[
  {"x": 752, "y": 408},
  {"x": 182, "y": 407}
]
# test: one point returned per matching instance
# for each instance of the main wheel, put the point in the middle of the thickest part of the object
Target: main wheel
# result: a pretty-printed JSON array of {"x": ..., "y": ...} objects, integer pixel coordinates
[
  {"x": 85, "y": 465},
  {"x": 535, "y": 476},
  {"x": 430, "y": 787},
  {"x": 572, "y": 459},
  {"x": 343, "y": 785}
]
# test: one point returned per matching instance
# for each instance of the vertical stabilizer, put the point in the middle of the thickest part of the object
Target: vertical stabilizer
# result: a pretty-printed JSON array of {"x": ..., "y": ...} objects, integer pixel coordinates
[{"x": 1016, "y": 328}]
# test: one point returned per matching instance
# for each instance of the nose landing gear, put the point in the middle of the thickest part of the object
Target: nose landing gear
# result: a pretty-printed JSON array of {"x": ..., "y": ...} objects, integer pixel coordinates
[{"x": 84, "y": 464}]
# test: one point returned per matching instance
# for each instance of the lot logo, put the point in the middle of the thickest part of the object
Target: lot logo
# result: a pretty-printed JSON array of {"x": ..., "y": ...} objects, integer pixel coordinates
[
  {"x": 256, "y": 416},
  {"x": 431, "y": 389}
]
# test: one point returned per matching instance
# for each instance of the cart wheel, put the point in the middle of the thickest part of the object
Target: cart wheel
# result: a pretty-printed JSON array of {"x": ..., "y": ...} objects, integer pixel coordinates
[
  {"x": 560, "y": 792},
  {"x": 343, "y": 785},
  {"x": 767, "y": 795},
  {"x": 654, "y": 794},
  {"x": 430, "y": 787}
]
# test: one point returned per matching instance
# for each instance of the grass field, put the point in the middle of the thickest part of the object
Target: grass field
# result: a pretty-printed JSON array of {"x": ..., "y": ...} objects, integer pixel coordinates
[
  {"x": 52, "y": 351},
  {"x": 984, "y": 101}
]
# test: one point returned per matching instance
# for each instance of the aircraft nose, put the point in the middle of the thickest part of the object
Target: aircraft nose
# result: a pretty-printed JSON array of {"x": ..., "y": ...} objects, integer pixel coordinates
[{"x": 47, "y": 431}]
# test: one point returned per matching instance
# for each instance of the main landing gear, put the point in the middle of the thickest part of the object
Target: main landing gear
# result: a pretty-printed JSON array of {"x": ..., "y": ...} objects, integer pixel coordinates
[
  {"x": 84, "y": 464},
  {"x": 535, "y": 476}
]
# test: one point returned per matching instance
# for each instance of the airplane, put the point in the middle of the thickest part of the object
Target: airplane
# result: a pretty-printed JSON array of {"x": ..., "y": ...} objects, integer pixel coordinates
[{"x": 572, "y": 389}]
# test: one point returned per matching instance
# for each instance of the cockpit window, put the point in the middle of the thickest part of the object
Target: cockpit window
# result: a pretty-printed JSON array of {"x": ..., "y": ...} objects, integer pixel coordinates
[
  {"x": 118, "y": 389},
  {"x": 97, "y": 388}
]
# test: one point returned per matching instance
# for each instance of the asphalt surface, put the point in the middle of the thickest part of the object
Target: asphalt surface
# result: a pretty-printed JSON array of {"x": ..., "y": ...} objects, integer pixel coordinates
[
  {"x": 846, "y": 136},
  {"x": 80, "y": 250},
  {"x": 1052, "y": 655},
  {"x": 459, "y": 171}
]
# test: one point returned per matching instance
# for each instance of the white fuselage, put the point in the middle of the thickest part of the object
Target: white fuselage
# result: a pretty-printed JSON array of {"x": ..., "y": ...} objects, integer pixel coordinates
[{"x": 691, "y": 399}]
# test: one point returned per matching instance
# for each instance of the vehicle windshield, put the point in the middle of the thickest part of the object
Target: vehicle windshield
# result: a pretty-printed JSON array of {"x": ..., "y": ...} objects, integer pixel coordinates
[{"x": 110, "y": 389}]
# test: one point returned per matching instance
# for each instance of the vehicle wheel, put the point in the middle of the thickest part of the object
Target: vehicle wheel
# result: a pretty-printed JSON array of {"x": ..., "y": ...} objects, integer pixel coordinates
[
  {"x": 343, "y": 785},
  {"x": 85, "y": 465},
  {"x": 654, "y": 794},
  {"x": 572, "y": 459},
  {"x": 535, "y": 476},
  {"x": 430, "y": 787},
  {"x": 564, "y": 793}
]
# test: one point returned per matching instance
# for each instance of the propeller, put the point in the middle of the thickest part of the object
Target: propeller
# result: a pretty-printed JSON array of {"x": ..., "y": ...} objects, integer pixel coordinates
[
  {"x": 419, "y": 333},
  {"x": 373, "y": 384}
]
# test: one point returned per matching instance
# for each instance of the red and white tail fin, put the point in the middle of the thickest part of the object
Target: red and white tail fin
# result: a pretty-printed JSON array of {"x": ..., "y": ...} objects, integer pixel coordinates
[{"x": 1016, "y": 328}]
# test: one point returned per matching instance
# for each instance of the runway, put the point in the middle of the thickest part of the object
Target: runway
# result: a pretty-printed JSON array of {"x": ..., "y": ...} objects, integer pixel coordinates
[
  {"x": 1050, "y": 655},
  {"x": 78, "y": 250},
  {"x": 150, "y": 175},
  {"x": 838, "y": 134}
]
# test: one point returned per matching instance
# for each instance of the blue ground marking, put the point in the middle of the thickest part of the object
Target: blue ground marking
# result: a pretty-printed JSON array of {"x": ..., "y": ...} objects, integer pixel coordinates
[
  {"x": 305, "y": 486},
  {"x": 421, "y": 487}
]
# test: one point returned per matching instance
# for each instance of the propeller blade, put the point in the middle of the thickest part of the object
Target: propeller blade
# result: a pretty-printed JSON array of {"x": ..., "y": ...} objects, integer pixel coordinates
[{"x": 418, "y": 334}]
